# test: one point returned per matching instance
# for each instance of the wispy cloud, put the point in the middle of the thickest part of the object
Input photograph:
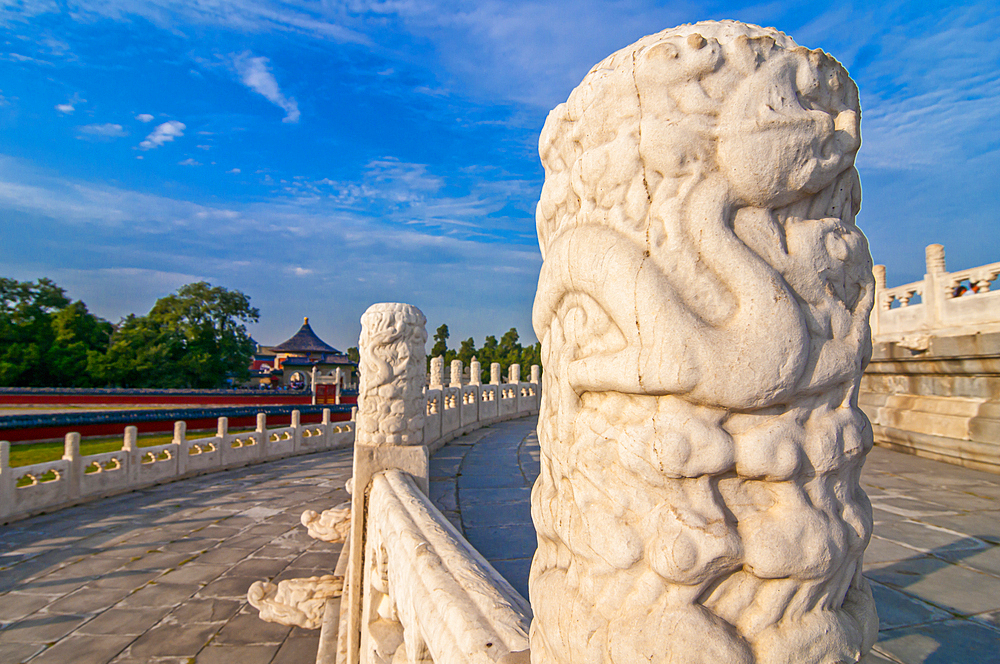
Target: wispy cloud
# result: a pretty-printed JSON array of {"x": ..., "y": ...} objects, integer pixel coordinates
[
  {"x": 255, "y": 73},
  {"x": 163, "y": 133},
  {"x": 378, "y": 259},
  {"x": 189, "y": 162},
  {"x": 144, "y": 117},
  {"x": 104, "y": 131}
]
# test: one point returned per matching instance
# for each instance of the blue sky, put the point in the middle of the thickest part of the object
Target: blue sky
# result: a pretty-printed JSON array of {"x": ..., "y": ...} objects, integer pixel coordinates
[{"x": 322, "y": 156}]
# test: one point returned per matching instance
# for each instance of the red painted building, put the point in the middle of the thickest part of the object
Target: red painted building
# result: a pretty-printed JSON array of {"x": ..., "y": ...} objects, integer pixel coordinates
[{"x": 290, "y": 363}]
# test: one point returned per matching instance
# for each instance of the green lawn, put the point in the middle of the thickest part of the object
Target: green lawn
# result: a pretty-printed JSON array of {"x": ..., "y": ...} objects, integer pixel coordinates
[{"x": 25, "y": 454}]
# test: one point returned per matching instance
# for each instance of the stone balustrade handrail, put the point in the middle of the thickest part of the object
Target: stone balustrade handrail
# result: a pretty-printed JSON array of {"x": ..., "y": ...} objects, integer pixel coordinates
[
  {"x": 950, "y": 302},
  {"x": 428, "y": 590},
  {"x": 79, "y": 478},
  {"x": 410, "y": 580}
]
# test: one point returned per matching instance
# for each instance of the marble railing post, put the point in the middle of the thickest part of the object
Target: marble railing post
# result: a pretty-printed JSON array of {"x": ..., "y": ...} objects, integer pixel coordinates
[
  {"x": 514, "y": 374},
  {"x": 475, "y": 372},
  {"x": 327, "y": 426},
  {"x": 296, "y": 425},
  {"x": 71, "y": 453},
  {"x": 181, "y": 450},
  {"x": 390, "y": 426},
  {"x": 134, "y": 457},
  {"x": 456, "y": 373},
  {"x": 878, "y": 272},
  {"x": 701, "y": 445},
  {"x": 495, "y": 373},
  {"x": 263, "y": 437},
  {"x": 436, "y": 379},
  {"x": 8, "y": 485},
  {"x": 536, "y": 374},
  {"x": 936, "y": 286}
]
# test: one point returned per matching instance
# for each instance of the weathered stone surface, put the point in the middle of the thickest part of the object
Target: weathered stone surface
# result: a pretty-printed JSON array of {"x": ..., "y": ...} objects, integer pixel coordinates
[
  {"x": 703, "y": 309},
  {"x": 393, "y": 373},
  {"x": 295, "y": 601},
  {"x": 333, "y": 525}
]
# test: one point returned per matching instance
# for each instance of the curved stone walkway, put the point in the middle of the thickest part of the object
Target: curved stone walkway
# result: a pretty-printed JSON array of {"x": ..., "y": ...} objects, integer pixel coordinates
[
  {"x": 161, "y": 575},
  {"x": 933, "y": 562}
]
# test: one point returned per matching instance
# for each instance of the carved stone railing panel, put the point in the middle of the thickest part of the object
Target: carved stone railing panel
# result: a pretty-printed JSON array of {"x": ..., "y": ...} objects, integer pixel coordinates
[
  {"x": 703, "y": 313},
  {"x": 370, "y": 613},
  {"x": 430, "y": 596},
  {"x": 77, "y": 478},
  {"x": 951, "y": 303}
]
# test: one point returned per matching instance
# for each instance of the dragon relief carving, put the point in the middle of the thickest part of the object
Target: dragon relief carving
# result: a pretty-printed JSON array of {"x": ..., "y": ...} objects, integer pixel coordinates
[
  {"x": 393, "y": 373},
  {"x": 703, "y": 311}
]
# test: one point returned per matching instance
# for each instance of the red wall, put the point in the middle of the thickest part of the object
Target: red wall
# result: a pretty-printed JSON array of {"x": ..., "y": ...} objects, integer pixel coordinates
[{"x": 263, "y": 399}]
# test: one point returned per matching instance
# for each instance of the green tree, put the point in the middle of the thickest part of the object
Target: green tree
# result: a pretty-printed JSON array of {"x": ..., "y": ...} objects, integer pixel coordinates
[
  {"x": 509, "y": 350},
  {"x": 353, "y": 354},
  {"x": 46, "y": 339},
  {"x": 196, "y": 337},
  {"x": 79, "y": 338},
  {"x": 467, "y": 351},
  {"x": 488, "y": 353},
  {"x": 440, "y": 342},
  {"x": 531, "y": 355}
]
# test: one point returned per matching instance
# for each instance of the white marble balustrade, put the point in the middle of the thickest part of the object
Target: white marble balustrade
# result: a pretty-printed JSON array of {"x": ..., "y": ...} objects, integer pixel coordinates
[
  {"x": 430, "y": 596},
  {"x": 77, "y": 478},
  {"x": 949, "y": 302}
]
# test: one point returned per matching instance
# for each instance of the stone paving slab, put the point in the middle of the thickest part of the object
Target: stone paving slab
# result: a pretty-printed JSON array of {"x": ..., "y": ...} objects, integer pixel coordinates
[
  {"x": 933, "y": 561},
  {"x": 161, "y": 575}
]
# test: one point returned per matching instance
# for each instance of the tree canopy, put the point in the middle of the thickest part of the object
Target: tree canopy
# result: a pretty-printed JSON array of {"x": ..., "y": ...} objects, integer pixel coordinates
[
  {"x": 196, "y": 337},
  {"x": 506, "y": 352},
  {"x": 45, "y": 338}
]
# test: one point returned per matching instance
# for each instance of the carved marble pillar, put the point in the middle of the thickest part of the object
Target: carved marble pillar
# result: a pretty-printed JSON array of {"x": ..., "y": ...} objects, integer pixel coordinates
[
  {"x": 390, "y": 426},
  {"x": 495, "y": 373},
  {"x": 703, "y": 310},
  {"x": 937, "y": 286},
  {"x": 456, "y": 373},
  {"x": 437, "y": 373},
  {"x": 475, "y": 372}
]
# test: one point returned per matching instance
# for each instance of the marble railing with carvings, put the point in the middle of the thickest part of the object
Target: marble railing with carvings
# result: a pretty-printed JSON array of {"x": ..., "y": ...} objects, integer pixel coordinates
[
  {"x": 76, "y": 478},
  {"x": 412, "y": 588},
  {"x": 429, "y": 595},
  {"x": 943, "y": 303}
]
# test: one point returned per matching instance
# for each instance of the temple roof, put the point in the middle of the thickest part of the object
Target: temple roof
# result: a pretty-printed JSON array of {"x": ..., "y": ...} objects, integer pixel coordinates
[{"x": 305, "y": 341}]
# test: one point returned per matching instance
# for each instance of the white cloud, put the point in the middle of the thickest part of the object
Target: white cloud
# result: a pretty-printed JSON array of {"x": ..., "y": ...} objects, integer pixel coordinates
[
  {"x": 70, "y": 105},
  {"x": 255, "y": 74},
  {"x": 102, "y": 131},
  {"x": 204, "y": 147},
  {"x": 301, "y": 271},
  {"x": 189, "y": 162},
  {"x": 234, "y": 170},
  {"x": 144, "y": 117},
  {"x": 164, "y": 133}
]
